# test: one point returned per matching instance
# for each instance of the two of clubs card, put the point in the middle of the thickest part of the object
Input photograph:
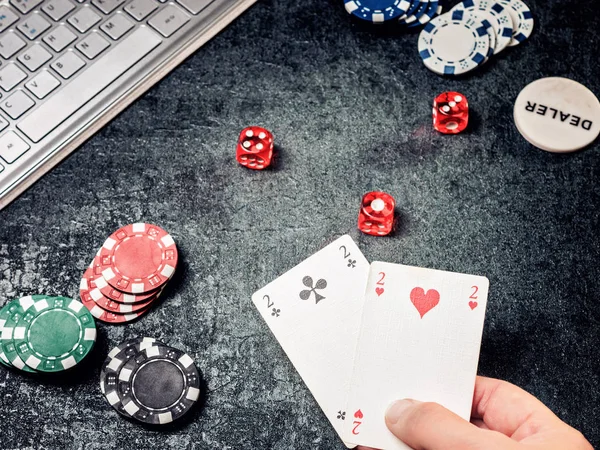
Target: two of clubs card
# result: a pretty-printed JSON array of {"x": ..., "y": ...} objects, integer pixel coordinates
[{"x": 364, "y": 335}]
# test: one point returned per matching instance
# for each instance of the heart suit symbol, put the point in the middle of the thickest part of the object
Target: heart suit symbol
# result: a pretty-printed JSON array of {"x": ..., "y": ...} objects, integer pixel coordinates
[
  {"x": 473, "y": 305},
  {"x": 379, "y": 291},
  {"x": 358, "y": 414},
  {"x": 424, "y": 302}
]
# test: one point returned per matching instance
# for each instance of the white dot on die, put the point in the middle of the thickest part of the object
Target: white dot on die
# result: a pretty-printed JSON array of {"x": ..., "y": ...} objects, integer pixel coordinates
[
  {"x": 378, "y": 205},
  {"x": 445, "y": 108},
  {"x": 262, "y": 135},
  {"x": 451, "y": 126},
  {"x": 249, "y": 133},
  {"x": 246, "y": 144},
  {"x": 458, "y": 99},
  {"x": 452, "y": 104},
  {"x": 259, "y": 146}
]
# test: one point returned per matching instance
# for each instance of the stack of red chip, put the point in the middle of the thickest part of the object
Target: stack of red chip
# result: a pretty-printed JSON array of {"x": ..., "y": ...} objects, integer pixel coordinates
[{"x": 128, "y": 273}]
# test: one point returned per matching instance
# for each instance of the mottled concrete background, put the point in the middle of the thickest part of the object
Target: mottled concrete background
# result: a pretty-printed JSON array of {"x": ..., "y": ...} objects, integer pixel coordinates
[{"x": 351, "y": 112}]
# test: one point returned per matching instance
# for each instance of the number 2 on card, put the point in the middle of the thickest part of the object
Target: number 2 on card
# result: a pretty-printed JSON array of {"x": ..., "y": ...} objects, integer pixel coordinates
[
  {"x": 380, "y": 290},
  {"x": 474, "y": 294},
  {"x": 269, "y": 302},
  {"x": 346, "y": 252}
]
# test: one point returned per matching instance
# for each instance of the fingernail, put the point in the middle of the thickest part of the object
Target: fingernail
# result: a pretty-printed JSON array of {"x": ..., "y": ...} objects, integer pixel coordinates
[{"x": 396, "y": 409}]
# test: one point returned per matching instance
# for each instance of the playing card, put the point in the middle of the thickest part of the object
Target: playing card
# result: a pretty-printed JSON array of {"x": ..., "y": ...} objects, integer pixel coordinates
[
  {"x": 314, "y": 312},
  {"x": 419, "y": 338}
]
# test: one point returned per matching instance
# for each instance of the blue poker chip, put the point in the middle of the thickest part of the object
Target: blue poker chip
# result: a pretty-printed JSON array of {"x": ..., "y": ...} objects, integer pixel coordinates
[
  {"x": 432, "y": 10},
  {"x": 377, "y": 11},
  {"x": 420, "y": 9},
  {"x": 414, "y": 7},
  {"x": 454, "y": 43}
]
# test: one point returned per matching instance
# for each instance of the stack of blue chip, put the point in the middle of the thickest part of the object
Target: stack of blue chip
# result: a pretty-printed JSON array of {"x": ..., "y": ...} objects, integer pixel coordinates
[{"x": 407, "y": 13}]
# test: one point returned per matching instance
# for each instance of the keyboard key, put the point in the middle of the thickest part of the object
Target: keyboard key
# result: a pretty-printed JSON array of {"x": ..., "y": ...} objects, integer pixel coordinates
[
  {"x": 10, "y": 76},
  {"x": 10, "y": 44},
  {"x": 33, "y": 26},
  {"x": 59, "y": 38},
  {"x": 84, "y": 19},
  {"x": 12, "y": 146},
  {"x": 3, "y": 123},
  {"x": 92, "y": 45},
  {"x": 116, "y": 26},
  {"x": 25, "y": 6},
  {"x": 107, "y": 6},
  {"x": 7, "y": 18},
  {"x": 68, "y": 64},
  {"x": 17, "y": 104},
  {"x": 194, "y": 6},
  {"x": 35, "y": 57},
  {"x": 57, "y": 9},
  {"x": 169, "y": 20},
  {"x": 140, "y": 9},
  {"x": 42, "y": 84},
  {"x": 89, "y": 83}
]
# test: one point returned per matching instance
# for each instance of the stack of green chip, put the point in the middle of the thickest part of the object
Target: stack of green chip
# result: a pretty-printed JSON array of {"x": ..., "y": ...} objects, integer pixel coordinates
[{"x": 45, "y": 334}]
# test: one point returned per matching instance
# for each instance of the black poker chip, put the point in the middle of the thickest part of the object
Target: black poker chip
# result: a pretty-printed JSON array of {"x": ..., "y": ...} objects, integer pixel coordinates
[
  {"x": 150, "y": 382},
  {"x": 115, "y": 360}
]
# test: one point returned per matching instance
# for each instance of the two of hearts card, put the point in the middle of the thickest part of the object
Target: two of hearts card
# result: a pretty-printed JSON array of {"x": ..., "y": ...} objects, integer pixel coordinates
[{"x": 364, "y": 335}]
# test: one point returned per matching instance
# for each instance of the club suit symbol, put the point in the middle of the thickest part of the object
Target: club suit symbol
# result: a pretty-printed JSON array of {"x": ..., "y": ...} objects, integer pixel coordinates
[{"x": 306, "y": 293}]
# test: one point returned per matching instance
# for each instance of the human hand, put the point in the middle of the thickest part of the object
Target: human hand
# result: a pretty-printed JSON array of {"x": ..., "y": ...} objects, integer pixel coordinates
[{"x": 503, "y": 417}]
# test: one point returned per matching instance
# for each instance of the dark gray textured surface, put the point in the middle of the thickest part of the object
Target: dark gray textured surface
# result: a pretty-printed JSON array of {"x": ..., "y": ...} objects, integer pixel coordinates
[{"x": 351, "y": 112}]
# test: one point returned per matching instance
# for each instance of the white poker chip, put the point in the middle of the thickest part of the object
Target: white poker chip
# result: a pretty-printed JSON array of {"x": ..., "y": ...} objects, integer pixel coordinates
[
  {"x": 490, "y": 31},
  {"x": 454, "y": 43},
  {"x": 522, "y": 20},
  {"x": 558, "y": 115},
  {"x": 497, "y": 15}
]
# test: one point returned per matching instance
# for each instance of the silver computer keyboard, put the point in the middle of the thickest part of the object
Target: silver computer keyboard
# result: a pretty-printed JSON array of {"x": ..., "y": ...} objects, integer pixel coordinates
[{"x": 69, "y": 66}]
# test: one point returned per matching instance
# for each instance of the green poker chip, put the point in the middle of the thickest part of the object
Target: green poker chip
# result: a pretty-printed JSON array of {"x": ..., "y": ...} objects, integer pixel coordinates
[
  {"x": 3, "y": 360},
  {"x": 54, "y": 334},
  {"x": 11, "y": 317}
]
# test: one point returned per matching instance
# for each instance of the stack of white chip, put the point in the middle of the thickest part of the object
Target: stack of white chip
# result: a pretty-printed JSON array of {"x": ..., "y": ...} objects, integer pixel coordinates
[{"x": 467, "y": 36}]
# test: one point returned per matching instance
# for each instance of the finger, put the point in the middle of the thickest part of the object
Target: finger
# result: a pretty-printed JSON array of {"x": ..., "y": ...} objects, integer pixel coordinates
[
  {"x": 508, "y": 409},
  {"x": 429, "y": 426},
  {"x": 479, "y": 424}
]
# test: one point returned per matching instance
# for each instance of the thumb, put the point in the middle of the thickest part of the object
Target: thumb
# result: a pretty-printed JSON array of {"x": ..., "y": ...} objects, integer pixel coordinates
[{"x": 429, "y": 426}]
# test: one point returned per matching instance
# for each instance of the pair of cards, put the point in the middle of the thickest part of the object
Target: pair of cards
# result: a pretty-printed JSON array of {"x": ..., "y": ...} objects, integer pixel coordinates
[{"x": 364, "y": 335}]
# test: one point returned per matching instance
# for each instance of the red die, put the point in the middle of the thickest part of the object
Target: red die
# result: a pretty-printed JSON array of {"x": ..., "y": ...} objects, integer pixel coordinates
[
  {"x": 376, "y": 215},
  {"x": 450, "y": 113},
  {"x": 255, "y": 148}
]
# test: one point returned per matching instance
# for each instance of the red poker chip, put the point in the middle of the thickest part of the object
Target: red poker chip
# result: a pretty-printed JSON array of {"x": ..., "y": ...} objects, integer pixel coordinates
[
  {"x": 114, "y": 294},
  {"x": 88, "y": 287},
  {"x": 107, "y": 316},
  {"x": 138, "y": 258}
]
